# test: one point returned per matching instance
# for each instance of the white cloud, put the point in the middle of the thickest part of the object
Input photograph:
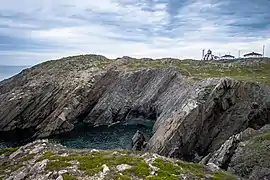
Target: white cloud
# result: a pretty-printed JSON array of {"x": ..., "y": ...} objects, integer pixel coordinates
[{"x": 120, "y": 27}]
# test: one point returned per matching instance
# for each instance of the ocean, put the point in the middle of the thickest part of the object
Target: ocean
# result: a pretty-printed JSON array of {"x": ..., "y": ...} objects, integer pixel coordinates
[{"x": 9, "y": 71}]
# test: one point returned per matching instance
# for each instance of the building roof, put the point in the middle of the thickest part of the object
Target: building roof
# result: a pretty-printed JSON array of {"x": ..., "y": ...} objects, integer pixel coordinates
[
  {"x": 253, "y": 54},
  {"x": 227, "y": 56}
]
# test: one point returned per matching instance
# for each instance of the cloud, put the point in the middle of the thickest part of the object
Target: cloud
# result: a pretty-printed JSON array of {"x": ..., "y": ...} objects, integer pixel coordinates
[{"x": 34, "y": 31}]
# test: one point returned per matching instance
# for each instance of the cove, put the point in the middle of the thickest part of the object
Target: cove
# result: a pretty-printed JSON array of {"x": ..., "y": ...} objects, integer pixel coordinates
[{"x": 104, "y": 137}]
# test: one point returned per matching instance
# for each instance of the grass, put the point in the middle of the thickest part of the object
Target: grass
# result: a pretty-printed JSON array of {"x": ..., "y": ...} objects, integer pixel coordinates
[
  {"x": 8, "y": 150},
  {"x": 116, "y": 176},
  {"x": 263, "y": 137},
  {"x": 256, "y": 142},
  {"x": 68, "y": 176},
  {"x": 92, "y": 163},
  {"x": 259, "y": 72},
  {"x": 57, "y": 165},
  {"x": 103, "y": 64},
  {"x": 223, "y": 176},
  {"x": 195, "y": 169},
  {"x": 167, "y": 170},
  {"x": 9, "y": 167},
  {"x": 141, "y": 170},
  {"x": 28, "y": 157},
  {"x": 171, "y": 171}
]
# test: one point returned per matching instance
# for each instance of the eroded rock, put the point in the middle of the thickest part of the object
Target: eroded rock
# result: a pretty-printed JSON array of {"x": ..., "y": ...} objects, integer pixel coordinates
[{"x": 138, "y": 141}]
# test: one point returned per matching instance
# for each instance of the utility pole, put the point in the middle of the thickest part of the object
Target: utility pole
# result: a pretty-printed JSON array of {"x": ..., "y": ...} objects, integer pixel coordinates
[
  {"x": 263, "y": 49},
  {"x": 203, "y": 54},
  {"x": 239, "y": 54}
]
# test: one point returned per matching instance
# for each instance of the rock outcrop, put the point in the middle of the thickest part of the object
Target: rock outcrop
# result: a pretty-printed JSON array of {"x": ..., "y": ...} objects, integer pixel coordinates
[
  {"x": 206, "y": 115},
  {"x": 245, "y": 154},
  {"x": 47, "y": 161},
  {"x": 192, "y": 117},
  {"x": 138, "y": 141}
]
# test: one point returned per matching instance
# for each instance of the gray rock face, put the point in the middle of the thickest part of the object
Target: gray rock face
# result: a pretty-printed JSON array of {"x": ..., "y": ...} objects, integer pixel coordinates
[
  {"x": 245, "y": 154},
  {"x": 207, "y": 114},
  {"x": 138, "y": 141},
  {"x": 223, "y": 155},
  {"x": 251, "y": 158}
]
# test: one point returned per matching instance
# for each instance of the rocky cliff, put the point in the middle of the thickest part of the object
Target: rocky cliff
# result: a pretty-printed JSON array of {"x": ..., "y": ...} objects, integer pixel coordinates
[{"x": 193, "y": 115}]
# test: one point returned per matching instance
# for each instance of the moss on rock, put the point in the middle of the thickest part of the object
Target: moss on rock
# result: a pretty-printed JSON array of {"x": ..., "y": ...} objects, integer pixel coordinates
[{"x": 8, "y": 150}]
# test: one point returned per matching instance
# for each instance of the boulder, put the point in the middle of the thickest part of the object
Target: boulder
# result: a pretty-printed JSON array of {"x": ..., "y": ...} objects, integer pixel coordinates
[{"x": 138, "y": 141}]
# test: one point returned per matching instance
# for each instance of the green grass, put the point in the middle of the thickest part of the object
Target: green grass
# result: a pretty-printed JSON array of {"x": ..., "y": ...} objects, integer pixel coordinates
[
  {"x": 67, "y": 176},
  {"x": 46, "y": 155},
  {"x": 27, "y": 157},
  {"x": 223, "y": 176},
  {"x": 167, "y": 170},
  {"x": 263, "y": 137},
  {"x": 141, "y": 170},
  {"x": 256, "y": 142},
  {"x": 171, "y": 171},
  {"x": 103, "y": 64},
  {"x": 8, "y": 150},
  {"x": 92, "y": 163},
  {"x": 9, "y": 167},
  {"x": 259, "y": 72},
  {"x": 57, "y": 165},
  {"x": 116, "y": 176},
  {"x": 195, "y": 169}
]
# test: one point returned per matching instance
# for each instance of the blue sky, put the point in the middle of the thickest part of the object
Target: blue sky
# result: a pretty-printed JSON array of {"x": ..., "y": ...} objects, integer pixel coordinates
[{"x": 32, "y": 31}]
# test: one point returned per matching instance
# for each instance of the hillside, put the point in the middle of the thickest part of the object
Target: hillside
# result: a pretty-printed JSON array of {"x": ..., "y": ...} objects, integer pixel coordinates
[
  {"x": 44, "y": 160},
  {"x": 196, "y": 107}
]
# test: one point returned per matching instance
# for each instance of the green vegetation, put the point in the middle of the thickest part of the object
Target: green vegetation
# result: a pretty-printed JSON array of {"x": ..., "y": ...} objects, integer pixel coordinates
[
  {"x": 171, "y": 171},
  {"x": 103, "y": 64},
  {"x": 8, "y": 150},
  {"x": 92, "y": 163},
  {"x": 57, "y": 165},
  {"x": 117, "y": 176},
  {"x": 223, "y": 176},
  {"x": 167, "y": 170},
  {"x": 256, "y": 142},
  {"x": 67, "y": 176},
  {"x": 263, "y": 137},
  {"x": 259, "y": 72},
  {"x": 195, "y": 169},
  {"x": 141, "y": 170},
  {"x": 9, "y": 168},
  {"x": 28, "y": 157}
]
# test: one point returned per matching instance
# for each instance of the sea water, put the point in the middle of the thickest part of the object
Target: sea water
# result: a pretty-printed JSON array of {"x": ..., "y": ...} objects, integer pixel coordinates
[
  {"x": 9, "y": 71},
  {"x": 103, "y": 137}
]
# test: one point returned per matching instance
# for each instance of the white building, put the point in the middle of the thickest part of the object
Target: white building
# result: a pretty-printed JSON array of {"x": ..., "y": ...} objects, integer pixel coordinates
[
  {"x": 253, "y": 55},
  {"x": 227, "y": 56}
]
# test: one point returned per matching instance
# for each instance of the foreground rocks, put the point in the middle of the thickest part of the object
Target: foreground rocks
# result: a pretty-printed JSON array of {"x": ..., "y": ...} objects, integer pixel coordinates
[
  {"x": 47, "y": 161},
  {"x": 246, "y": 154},
  {"x": 138, "y": 141}
]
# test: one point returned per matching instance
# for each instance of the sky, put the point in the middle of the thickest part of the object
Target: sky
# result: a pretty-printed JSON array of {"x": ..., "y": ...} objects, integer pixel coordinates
[{"x": 32, "y": 31}]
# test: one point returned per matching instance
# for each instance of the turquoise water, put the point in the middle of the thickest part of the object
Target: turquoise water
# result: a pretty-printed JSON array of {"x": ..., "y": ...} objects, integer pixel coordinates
[{"x": 104, "y": 137}]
